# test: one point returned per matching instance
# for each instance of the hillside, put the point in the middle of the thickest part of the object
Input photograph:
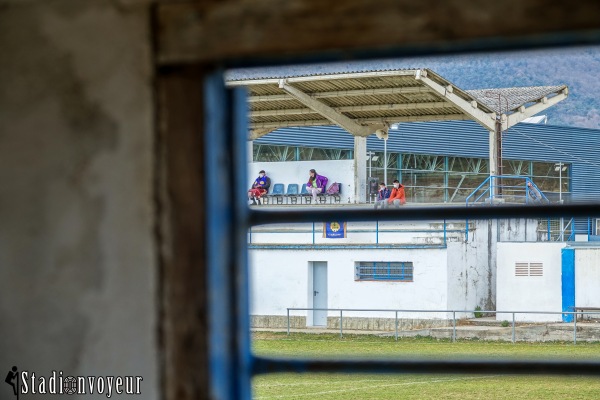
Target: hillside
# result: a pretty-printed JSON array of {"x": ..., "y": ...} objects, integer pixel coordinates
[{"x": 579, "y": 68}]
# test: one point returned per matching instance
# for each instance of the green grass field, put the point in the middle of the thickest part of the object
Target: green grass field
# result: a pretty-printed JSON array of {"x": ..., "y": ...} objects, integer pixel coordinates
[{"x": 359, "y": 386}]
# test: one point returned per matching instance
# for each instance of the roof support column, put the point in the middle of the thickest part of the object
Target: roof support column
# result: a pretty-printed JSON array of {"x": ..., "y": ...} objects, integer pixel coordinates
[
  {"x": 360, "y": 169},
  {"x": 495, "y": 143},
  {"x": 494, "y": 151}
]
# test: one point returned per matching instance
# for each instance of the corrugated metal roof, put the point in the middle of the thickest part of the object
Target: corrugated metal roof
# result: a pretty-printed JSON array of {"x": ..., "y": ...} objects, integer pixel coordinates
[
  {"x": 510, "y": 99},
  {"x": 376, "y": 97}
]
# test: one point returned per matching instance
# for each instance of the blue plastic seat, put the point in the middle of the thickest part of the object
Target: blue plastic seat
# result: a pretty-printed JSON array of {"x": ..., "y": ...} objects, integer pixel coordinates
[
  {"x": 277, "y": 192},
  {"x": 304, "y": 194},
  {"x": 292, "y": 193}
]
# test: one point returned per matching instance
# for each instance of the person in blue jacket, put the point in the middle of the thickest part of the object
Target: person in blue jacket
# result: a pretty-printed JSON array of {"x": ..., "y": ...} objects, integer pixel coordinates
[
  {"x": 383, "y": 194},
  {"x": 259, "y": 188}
]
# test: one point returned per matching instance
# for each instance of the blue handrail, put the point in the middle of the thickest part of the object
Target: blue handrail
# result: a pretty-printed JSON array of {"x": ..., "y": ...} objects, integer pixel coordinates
[{"x": 531, "y": 192}]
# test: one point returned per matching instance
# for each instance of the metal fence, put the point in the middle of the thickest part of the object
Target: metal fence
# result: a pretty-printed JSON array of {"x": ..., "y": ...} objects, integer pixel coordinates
[{"x": 454, "y": 319}]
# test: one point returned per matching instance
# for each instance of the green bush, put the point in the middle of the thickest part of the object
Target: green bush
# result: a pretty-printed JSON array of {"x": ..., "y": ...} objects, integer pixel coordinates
[
  {"x": 478, "y": 314},
  {"x": 505, "y": 323}
]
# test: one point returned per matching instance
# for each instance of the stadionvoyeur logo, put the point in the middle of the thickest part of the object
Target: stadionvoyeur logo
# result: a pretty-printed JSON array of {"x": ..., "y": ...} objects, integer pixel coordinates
[{"x": 28, "y": 382}]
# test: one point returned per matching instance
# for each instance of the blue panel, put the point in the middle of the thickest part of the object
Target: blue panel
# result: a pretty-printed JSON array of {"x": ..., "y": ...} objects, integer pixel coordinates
[
  {"x": 535, "y": 142},
  {"x": 568, "y": 283}
]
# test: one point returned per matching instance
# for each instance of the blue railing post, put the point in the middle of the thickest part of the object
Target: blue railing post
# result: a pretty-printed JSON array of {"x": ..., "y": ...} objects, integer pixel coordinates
[
  {"x": 467, "y": 231},
  {"x": 549, "y": 229},
  {"x": 313, "y": 233},
  {"x": 445, "y": 244},
  {"x": 377, "y": 232}
]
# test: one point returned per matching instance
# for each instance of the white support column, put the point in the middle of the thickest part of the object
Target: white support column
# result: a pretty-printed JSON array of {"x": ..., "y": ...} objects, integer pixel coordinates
[
  {"x": 493, "y": 153},
  {"x": 250, "y": 151},
  {"x": 360, "y": 169}
]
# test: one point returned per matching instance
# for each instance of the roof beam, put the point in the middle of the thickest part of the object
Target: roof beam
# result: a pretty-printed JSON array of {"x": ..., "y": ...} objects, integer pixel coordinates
[
  {"x": 327, "y": 77},
  {"x": 370, "y": 121},
  {"x": 366, "y": 107},
  {"x": 344, "y": 93},
  {"x": 470, "y": 108},
  {"x": 326, "y": 111},
  {"x": 541, "y": 105}
]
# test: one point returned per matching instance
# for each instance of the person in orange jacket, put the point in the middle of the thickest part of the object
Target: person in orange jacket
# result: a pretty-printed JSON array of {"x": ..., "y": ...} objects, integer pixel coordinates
[{"x": 397, "y": 198}]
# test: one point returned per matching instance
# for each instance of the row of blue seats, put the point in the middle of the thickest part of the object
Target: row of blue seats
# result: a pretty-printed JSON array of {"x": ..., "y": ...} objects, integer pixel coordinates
[{"x": 278, "y": 195}]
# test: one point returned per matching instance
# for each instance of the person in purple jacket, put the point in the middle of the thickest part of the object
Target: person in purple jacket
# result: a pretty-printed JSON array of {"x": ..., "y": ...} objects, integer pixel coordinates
[{"x": 316, "y": 184}]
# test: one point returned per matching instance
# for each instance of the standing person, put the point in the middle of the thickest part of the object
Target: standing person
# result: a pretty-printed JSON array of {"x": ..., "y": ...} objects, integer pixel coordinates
[
  {"x": 383, "y": 194},
  {"x": 316, "y": 184},
  {"x": 259, "y": 187},
  {"x": 397, "y": 197},
  {"x": 533, "y": 192}
]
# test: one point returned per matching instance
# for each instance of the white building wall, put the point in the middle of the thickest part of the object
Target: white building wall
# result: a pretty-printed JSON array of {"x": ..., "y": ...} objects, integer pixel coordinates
[
  {"x": 587, "y": 277},
  {"x": 286, "y": 172},
  {"x": 519, "y": 293},
  {"x": 281, "y": 279}
]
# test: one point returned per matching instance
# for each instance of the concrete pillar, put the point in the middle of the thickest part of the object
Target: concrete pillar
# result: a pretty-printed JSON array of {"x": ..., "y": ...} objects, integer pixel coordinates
[
  {"x": 250, "y": 151},
  {"x": 360, "y": 169},
  {"x": 493, "y": 153}
]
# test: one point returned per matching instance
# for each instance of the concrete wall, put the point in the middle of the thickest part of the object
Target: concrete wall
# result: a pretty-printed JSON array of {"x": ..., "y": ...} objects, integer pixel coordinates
[
  {"x": 529, "y": 293},
  {"x": 282, "y": 278},
  {"x": 77, "y": 260},
  {"x": 587, "y": 277},
  {"x": 341, "y": 171}
]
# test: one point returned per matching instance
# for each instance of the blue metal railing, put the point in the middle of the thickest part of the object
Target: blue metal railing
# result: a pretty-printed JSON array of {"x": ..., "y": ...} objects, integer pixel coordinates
[
  {"x": 499, "y": 189},
  {"x": 441, "y": 233}
]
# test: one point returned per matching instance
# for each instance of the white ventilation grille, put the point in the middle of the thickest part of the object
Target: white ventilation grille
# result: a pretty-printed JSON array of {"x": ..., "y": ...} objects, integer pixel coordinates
[
  {"x": 529, "y": 269},
  {"x": 536, "y": 269},
  {"x": 521, "y": 269}
]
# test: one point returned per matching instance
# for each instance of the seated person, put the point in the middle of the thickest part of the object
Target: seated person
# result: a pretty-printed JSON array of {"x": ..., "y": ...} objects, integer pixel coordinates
[
  {"x": 259, "y": 188},
  {"x": 316, "y": 184},
  {"x": 383, "y": 194},
  {"x": 397, "y": 197}
]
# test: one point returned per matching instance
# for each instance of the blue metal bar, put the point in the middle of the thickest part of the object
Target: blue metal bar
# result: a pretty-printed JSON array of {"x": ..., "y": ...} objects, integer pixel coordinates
[
  {"x": 467, "y": 230},
  {"x": 341, "y": 246},
  {"x": 476, "y": 190},
  {"x": 377, "y": 231},
  {"x": 313, "y": 233},
  {"x": 226, "y": 251},
  {"x": 363, "y": 231},
  {"x": 548, "y": 226}
]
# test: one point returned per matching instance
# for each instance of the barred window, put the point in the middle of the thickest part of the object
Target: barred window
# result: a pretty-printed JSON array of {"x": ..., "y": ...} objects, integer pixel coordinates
[{"x": 384, "y": 271}]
